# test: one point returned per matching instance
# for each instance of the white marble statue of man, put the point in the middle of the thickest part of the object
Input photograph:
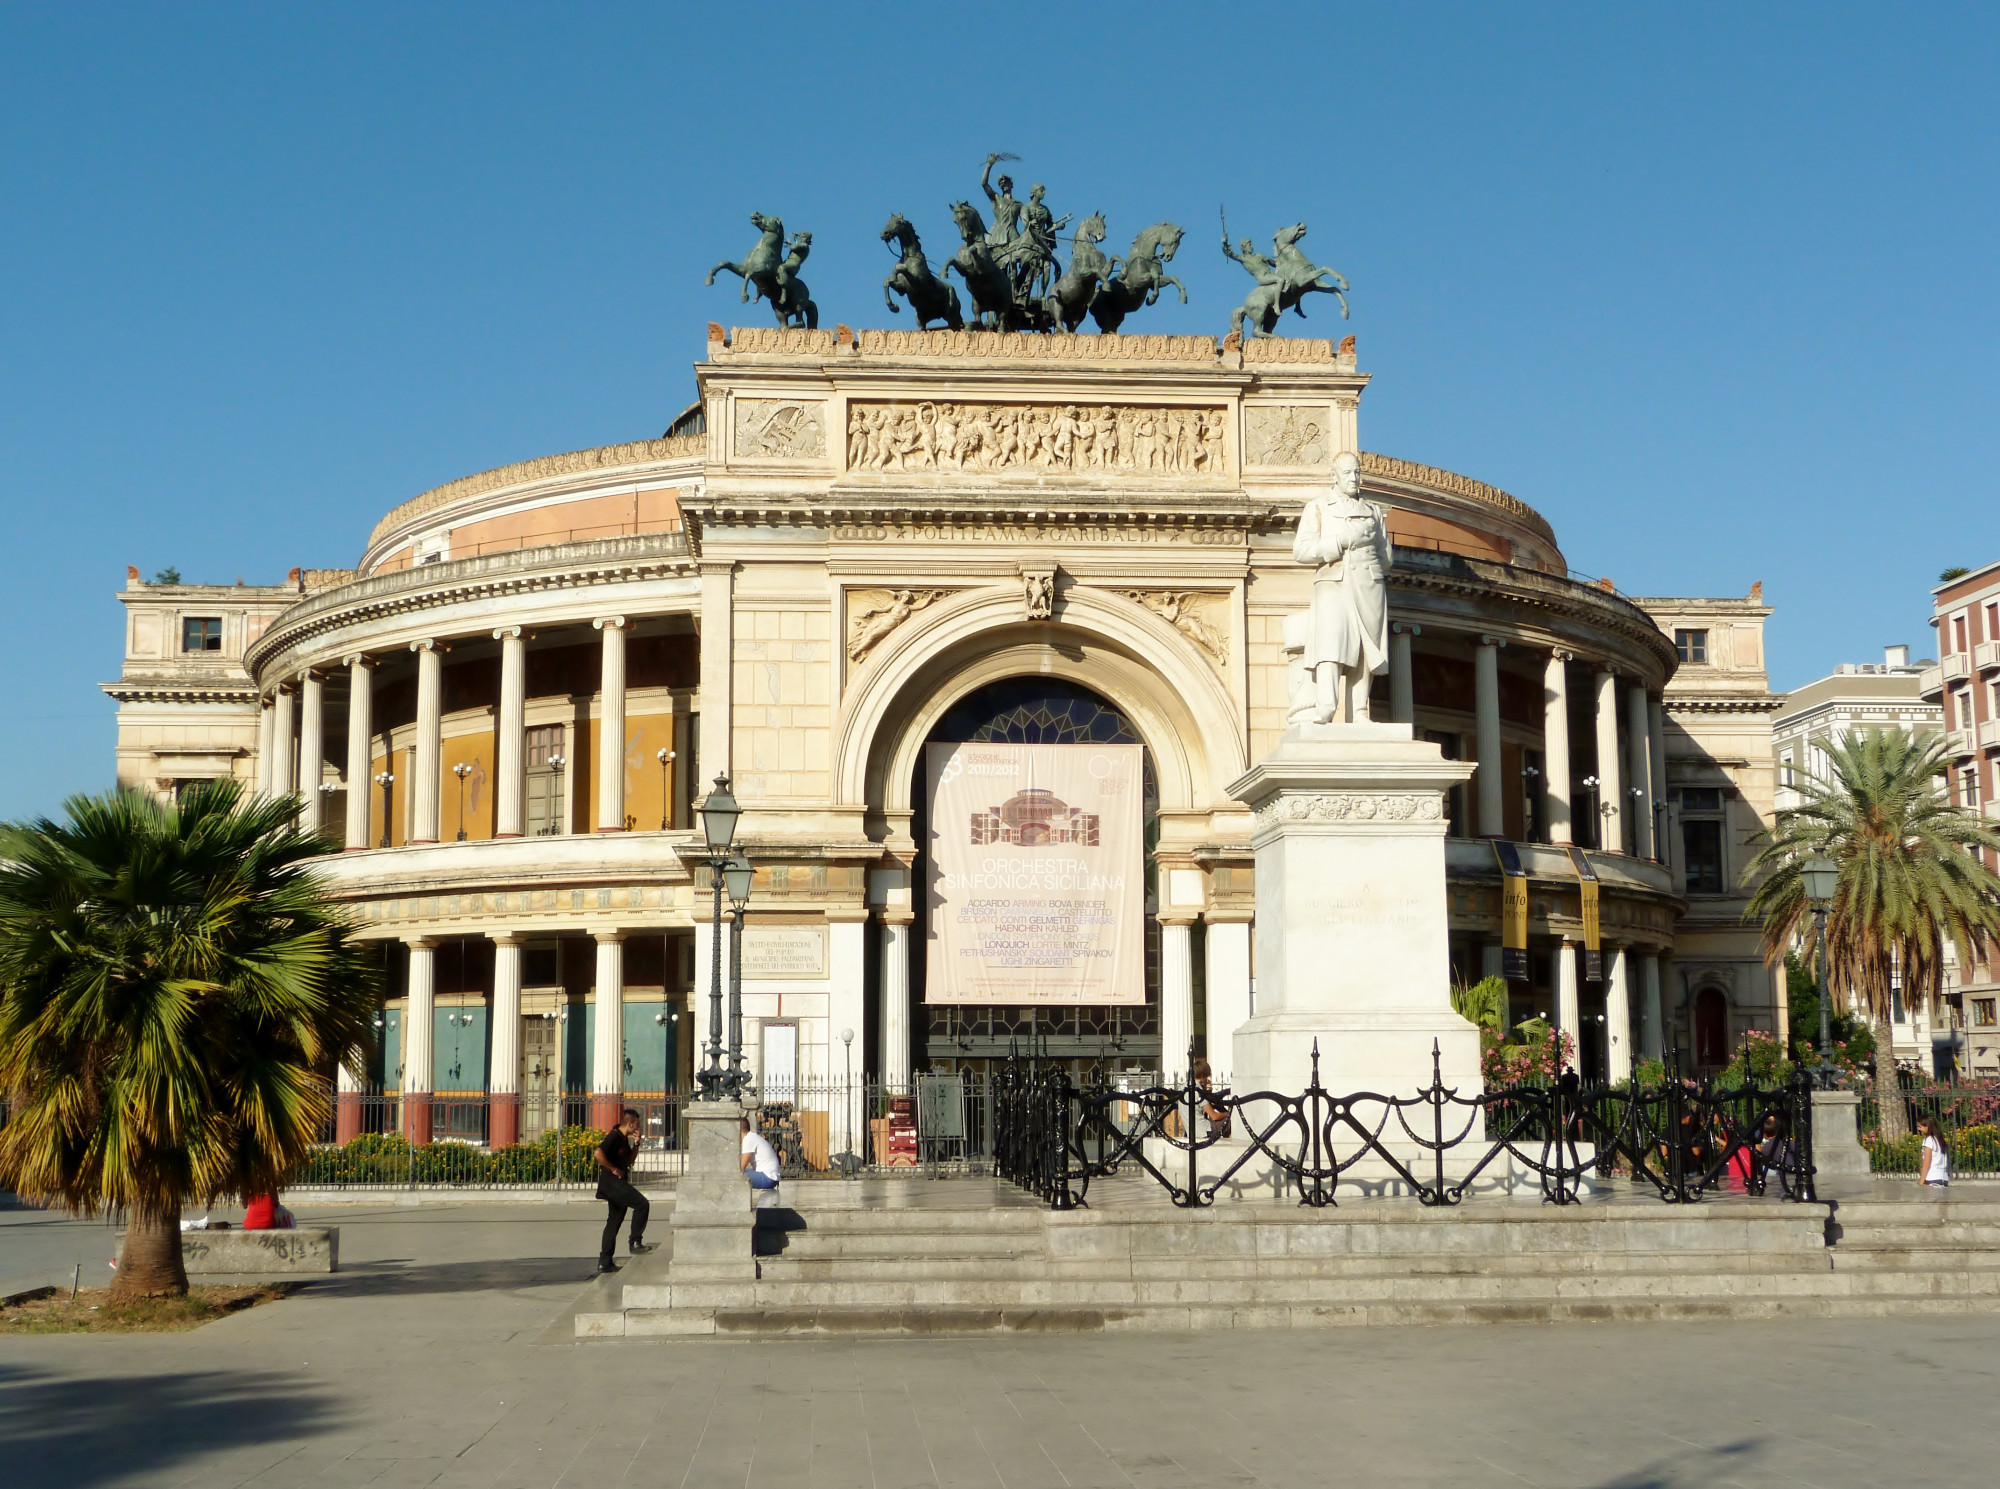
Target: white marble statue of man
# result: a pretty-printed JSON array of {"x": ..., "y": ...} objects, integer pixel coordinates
[{"x": 1347, "y": 641}]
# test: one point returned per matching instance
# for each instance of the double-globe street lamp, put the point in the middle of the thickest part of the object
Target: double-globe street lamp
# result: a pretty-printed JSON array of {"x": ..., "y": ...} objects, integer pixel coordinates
[
  {"x": 723, "y": 1078},
  {"x": 1820, "y": 877}
]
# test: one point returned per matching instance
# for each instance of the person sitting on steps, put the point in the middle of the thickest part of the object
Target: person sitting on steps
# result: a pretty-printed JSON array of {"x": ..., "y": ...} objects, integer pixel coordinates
[{"x": 760, "y": 1160}]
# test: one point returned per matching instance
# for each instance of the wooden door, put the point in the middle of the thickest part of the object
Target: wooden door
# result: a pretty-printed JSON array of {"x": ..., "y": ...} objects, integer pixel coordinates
[{"x": 541, "y": 1076}]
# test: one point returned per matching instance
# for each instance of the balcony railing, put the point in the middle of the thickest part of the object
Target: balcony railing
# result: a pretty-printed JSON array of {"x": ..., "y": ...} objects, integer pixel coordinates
[
  {"x": 1986, "y": 654},
  {"x": 1959, "y": 742},
  {"x": 1989, "y": 734},
  {"x": 1955, "y": 666},
  {"x": 1930, "y": 682}
]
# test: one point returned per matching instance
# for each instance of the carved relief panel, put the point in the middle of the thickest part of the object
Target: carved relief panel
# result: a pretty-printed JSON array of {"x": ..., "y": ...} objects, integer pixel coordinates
[
  {"x": 780, "y": 429},
  {"x": 1295, "y": 435},
  {"x": 1077, "y": 439},
  {"x": 1202, "y": 618},
  {"x": 874, "y": 614}
]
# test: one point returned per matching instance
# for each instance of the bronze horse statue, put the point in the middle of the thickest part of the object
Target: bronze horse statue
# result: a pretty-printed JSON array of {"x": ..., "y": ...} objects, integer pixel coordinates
[
  {"x": 991, "y": 286},
  {"x": 1281, "y": 282},
  {"x": 931, "y": 299},
  {"x": 771, "y": 268},
  {"x": 1070, "y": 297},
  {"x": 1141, "y": 278}
]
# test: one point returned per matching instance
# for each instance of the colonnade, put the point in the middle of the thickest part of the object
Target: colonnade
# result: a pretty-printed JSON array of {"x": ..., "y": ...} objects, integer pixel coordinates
[{"x": 291, "y": 755}]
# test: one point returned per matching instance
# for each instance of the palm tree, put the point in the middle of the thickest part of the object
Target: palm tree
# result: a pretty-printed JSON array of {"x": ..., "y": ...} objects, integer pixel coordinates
[
  {"x": 175, "y": 993},
  {"x": 1913, "y": 874}
]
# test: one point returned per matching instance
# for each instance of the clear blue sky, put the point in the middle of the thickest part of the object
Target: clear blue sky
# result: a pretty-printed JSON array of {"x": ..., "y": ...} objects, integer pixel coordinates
[{"x": 1712, "y": 286}]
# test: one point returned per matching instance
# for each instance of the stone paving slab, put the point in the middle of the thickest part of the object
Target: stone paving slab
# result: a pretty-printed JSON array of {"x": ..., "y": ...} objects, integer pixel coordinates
[{"x": 443, "y": 1357}]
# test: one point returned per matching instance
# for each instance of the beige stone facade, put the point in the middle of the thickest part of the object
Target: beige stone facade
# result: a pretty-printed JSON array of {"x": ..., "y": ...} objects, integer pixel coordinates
[{"x": 866, "y": 542}]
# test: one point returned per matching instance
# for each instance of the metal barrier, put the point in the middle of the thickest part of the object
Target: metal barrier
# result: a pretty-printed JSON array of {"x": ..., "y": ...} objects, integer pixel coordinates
[
  {"x": 1686, "y": 1139},
  {"x": 1967, "y": 1112}
]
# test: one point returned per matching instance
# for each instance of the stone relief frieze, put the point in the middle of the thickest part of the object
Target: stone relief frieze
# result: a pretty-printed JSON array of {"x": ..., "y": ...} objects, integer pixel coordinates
[
  {"x": 1426, "y": 806},
  {"x": 1286, "y": 436},
  {"x": 872, "y": 614},
  {"x": 976, "y": 530},
  {"x": 780, "y": 430},
  {"x": 1183, "y": 610},
  {"x": 1077, "y": 438},
  {"x": 1055, "y": 348}
]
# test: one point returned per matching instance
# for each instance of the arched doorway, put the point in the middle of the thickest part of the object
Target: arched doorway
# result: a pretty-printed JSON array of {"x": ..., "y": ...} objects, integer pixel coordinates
[
  {"x": 1035, "y": 710},
  {"x": 1711, "y": 1029}
]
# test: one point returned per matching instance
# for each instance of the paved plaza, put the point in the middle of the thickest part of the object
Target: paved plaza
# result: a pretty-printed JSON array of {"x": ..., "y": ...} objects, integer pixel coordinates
[{"x": 442, "y": 1354}]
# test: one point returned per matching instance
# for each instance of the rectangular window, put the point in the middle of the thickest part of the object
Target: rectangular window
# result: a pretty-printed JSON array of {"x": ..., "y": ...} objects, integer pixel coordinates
[
  {"x": 1785, "y": 770},
  {"x": 201, "y": 633},
  {"x": 1692, "y": 645},
  {"x": 1701, "y": 845},
  {"x": 1701, "y": 798},
  {"x": 1983, "y": 1010},
  {"x": 1993, "y": 621},
  {"x": 1958, "y": 633}
]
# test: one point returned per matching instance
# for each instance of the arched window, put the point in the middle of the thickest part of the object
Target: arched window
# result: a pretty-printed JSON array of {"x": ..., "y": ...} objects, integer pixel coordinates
[{"x": 1711, "y": 1027}]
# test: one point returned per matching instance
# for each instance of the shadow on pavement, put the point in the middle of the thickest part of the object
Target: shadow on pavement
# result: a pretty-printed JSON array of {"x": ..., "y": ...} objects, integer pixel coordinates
[
  {"x": 66, "y": 1432},
  {"x": 392, "y": 1279},
  {"x": 1695, "y": 1469}
]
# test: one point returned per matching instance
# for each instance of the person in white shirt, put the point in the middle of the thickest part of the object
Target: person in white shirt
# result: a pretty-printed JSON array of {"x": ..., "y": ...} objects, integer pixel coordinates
[
  {"x": 1933, "y": 1163},
  {"x": 760, "y": 1159}
]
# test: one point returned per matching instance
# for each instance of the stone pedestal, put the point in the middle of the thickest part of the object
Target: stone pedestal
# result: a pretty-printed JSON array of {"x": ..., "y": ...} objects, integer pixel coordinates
[
  {"x": 713, "y": 1218},
  {"x": 1836, "y": 1136},
  {"x": 1351, "y": 926}
]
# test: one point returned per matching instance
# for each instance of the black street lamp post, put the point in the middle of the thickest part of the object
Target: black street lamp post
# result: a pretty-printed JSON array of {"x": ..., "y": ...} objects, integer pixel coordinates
[
  {"x": 387, "y": 781},
  {"x": 736, "y": 875},
  {"x": 1820, "y": 877},
  {"x": 666, "y": 759},
  {"x": 720, "y": 1079},
  {"x": 461, "y": 770}
]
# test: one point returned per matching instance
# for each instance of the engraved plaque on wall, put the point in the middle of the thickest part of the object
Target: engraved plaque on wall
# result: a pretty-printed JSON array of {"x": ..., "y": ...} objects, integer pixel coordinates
[{"x": 783, "y": 953}]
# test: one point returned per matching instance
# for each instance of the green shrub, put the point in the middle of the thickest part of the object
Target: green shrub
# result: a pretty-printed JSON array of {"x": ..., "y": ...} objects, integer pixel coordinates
[{"x": 389, "y": 1158}]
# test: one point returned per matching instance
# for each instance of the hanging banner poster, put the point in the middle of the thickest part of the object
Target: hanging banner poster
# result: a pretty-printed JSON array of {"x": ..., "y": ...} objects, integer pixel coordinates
[
  {"x": 1513, "y": 912},
  {"x": 1593, "y": 933},
  {"x": 1037, "y": 874}
]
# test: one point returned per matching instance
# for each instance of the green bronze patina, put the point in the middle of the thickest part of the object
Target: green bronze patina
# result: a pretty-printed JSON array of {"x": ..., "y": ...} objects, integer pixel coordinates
[
  {"x": 930, "y": 297},
  {"x": 1282, "y": 282},
  {"x": 1140, "y": 278},
  {"x": 772, "y": 269}
]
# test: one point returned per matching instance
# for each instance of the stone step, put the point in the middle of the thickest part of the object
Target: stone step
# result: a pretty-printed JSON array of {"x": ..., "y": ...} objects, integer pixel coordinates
[
  {"x": 844, "y": 1269},
  {"x": 1920, "y": 1257},
  {"x": 1245, "y": 1291},
  {"x": 801, "y": 1243},
  {"x": 994, "y": 1219},
  {"x": 641, "y": 1323}
]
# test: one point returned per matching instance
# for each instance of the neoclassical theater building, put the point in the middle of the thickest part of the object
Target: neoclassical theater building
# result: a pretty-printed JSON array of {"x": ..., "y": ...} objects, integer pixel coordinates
[{"x": 852, "y": 545}]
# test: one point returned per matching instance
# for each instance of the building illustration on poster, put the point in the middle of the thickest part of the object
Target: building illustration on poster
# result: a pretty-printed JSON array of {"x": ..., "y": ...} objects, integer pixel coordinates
[{"x": 1037, "y": 893}]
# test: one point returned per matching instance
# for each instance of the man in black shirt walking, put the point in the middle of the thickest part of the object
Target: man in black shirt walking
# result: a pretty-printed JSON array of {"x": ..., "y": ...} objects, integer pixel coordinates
[{"x": 614, "y": 1186}]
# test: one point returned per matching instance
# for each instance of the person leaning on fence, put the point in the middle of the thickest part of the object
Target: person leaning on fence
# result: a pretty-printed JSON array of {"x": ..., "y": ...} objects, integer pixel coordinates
[
  {"x": 760, "y": 1160},
  {"x": 1933, "y": 1163},
  {"x": 1218, "y": 1119},
  {"x": 1775, "y": 1154},
  {"x": 613, "y": 1158}
]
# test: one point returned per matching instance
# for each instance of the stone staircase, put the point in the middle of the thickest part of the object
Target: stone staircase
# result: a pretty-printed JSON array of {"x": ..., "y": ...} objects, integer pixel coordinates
[{"x": 974, "y": 1259}]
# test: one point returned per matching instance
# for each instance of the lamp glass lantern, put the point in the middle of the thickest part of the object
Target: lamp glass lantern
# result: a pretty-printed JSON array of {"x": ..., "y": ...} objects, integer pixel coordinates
[
  {"x": 1820, "y": 877},
  {"x": 718, "y": 817},
  {"x": 736, "y": 876}
]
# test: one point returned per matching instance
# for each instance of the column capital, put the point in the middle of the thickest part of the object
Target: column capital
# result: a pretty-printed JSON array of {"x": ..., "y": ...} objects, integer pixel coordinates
[
  {"x": 1493, "y": 641},
  {"x": 847, "y": 915},
  {"x": 1405, "y": 628},
  {"x": 1229, "y": 915},
  {"x": 501, "y": 633},
  {"x": 287, "y": 685},
  {"x": 721, "y": 567},
  {"x": 896, "y": 917},
  {"x": 429, "y": 643},
  {"x": 611, "y": 622},
  {"x": 609, "y": 936},
  {"x": 315, "y": 674},
  {"x": 507, "y": 938},
  {"x": 357, "y": 659},
  {"x": 1182, "y": 917},
  {"x": 1561, "y": 654},
  {"x": 422, "y": 943}
]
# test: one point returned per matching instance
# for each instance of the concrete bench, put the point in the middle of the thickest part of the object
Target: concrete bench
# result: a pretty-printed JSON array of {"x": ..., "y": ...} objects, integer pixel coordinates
[{"x": 208, "y": 1253}]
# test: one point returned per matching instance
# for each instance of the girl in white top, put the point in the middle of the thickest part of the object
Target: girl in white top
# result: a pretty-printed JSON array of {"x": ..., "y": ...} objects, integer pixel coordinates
[{"x": 1933, "y": 1165}]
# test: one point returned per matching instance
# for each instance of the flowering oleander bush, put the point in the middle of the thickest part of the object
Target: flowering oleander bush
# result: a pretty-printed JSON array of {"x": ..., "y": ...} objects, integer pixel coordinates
[
  {"x": 1760, "y": 1062},
  {"x": 1521, "y": 1056}
]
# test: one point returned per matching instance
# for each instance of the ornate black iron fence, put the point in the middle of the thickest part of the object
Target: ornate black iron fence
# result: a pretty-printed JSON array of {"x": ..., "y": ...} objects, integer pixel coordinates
[{"x": 1052, "y": 1135}]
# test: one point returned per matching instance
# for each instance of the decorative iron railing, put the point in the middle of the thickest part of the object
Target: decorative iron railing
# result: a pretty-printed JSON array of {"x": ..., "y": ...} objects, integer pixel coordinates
[{"x": 1685, "y": 1139}]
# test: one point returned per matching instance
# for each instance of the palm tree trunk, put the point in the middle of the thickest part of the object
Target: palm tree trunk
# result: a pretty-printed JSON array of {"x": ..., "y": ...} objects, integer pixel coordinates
[
  {"x": 151, "y": 1266},
  {"x": 1888, "y": 1089}
]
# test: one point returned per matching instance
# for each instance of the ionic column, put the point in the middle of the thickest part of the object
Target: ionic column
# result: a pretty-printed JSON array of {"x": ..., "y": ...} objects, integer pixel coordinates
[
  {"x": 1638, "y": 740},
  {"x": 510, "y": 785},
  {"x": 611, "y": 728},
  {"x": 284, "y": 742},
  {"x": 360, "y": 758},
  {"x": 346, "y": 1106},
  {"x": 1656, "y": 770},
  {"x": 267, "y": 745},
  {"x": 430, "y": 742},
  {"x": 895, "y": 1072},
  {"x": 607, "y": 1039},
  {"x": 503, "y": 1070},
  {"x": 1618, "y": 1018},
  {"x": 1651, "y": 1045},
  {"x": 1486, "y": 718},
  {"x": 1176, "y": 993},
  {"x": 1555, "y": 748},
  {"x": 1402, "y": 687},
  {"x": 1569, "y": 1014},
  {"x": 419, "y": 1032},
  {"x": 1228, "y": 947},
  {"x": 312, "y": 749},
  {"x": 1610, "y": 777}
]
